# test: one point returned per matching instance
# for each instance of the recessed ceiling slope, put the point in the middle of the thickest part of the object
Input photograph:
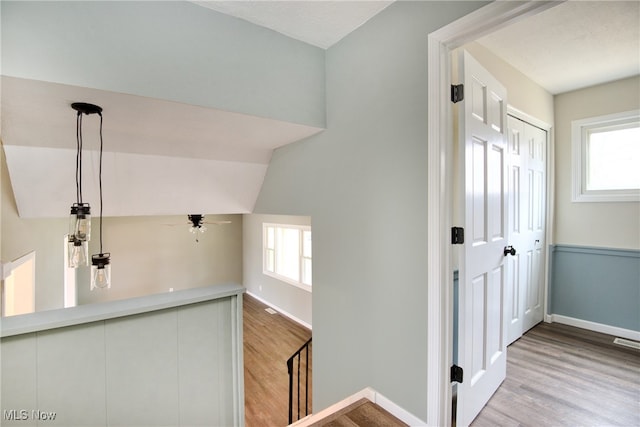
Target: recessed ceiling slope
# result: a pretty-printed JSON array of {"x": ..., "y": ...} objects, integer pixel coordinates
[
  {"x": 573, "y": 45},
  {"x": 319, "y": 23},
  {"x": 161, "y": 157}
]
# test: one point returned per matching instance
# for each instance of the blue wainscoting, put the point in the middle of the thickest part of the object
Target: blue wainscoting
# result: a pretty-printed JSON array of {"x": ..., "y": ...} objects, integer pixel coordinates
[{"x": 596, "y": 285}]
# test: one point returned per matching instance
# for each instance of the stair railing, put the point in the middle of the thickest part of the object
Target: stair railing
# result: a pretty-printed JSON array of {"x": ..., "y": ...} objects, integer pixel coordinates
[{"x": 290, "y": 366}]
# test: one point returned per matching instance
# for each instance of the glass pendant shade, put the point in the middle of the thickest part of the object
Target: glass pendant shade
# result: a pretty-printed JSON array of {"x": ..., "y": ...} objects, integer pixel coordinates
[
  {"x": 80, "y": 222},
  {"x": 100, "y": 271},
  {"x": 77, "y": 253}
]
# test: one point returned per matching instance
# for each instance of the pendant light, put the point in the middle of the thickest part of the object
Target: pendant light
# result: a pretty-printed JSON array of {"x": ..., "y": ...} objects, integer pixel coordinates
[
  {"x": 101, "y": 262},
  {"x": 80, "y": 216}
]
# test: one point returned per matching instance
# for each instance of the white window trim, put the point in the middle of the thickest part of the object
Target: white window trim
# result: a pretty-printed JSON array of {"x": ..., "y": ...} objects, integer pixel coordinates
[
  {"x": 277, "y": 276},
  {"x": 579, "y": 130}
]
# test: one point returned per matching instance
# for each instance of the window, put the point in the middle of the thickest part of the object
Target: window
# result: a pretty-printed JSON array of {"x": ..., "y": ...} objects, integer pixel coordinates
[
  {"x": 287, "y": 253},
  {"x": 19, "y": 286},
  {"x": 606, "y": 155}
]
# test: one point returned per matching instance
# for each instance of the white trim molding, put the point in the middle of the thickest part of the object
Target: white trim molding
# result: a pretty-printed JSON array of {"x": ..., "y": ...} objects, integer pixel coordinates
[
  {"x": 596, "y": 327},
  {"x": 369, "y": 394},
  {"x": 580, "y": 131},
  {"x": 441, "y": 42}
]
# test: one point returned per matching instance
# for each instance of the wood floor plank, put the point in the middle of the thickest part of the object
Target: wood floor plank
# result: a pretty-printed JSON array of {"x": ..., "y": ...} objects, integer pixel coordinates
[
  {"x": 362, "y": 413},
  {"x": 269, "y": 340},
  {"x": 564, "y": 376}
]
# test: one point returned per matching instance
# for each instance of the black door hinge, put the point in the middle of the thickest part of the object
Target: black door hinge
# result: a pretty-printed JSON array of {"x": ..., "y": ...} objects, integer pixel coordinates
[
  {"x": 457, "y": 235},
  {"x": 457, "y": 93},
  {"x": 456, "y": 374}
]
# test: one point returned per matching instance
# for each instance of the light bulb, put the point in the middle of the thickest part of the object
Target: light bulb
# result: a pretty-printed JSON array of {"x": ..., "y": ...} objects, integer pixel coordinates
[
  {"x": 100, "y": 271},
  {"x": 101, "y": 278},
  {"x": 77, "y": 253},
  {"x": 83, "y": 228}
]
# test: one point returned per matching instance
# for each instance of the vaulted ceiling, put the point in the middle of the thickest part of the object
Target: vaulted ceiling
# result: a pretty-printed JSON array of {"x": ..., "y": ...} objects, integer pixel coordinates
[{"x": 178, "y": 137}]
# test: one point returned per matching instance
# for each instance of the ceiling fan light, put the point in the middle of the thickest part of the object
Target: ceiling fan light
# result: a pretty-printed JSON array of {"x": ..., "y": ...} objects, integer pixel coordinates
[{"x": 100, "y": 271}]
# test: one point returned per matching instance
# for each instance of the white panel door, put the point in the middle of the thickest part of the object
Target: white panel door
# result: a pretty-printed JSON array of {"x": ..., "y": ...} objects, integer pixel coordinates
[
  {"x": 526, "y": 150},
  {"x": 535, "y": 225},
  {"x": 517, "y": 274},
  {"x": 482, "y": 339}
]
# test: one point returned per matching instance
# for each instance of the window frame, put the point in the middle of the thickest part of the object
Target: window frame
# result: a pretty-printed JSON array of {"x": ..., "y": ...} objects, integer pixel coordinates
[
  {"x": 580, "y": 131},
  {"x": 266, "y": 250}
]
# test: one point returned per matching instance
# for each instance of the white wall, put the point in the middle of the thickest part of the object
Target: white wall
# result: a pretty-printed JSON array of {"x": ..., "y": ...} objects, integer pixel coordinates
[
  {"x": 288, "y": 298},
  {"x": 44, "y": 236},
  {"x": 364, "y": 183},
  {"x": 147, "y": 255},
  {"x": 609, "y": 225},
  {"x": 152, "y": 254}
]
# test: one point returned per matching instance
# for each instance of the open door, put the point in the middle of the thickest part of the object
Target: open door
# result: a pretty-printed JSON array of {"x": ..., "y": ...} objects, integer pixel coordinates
[{"x": 482, "y": 338}]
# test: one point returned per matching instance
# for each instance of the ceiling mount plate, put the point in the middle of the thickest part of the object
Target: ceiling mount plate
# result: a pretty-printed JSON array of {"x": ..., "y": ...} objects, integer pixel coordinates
[{"x": 83, "y": 107}]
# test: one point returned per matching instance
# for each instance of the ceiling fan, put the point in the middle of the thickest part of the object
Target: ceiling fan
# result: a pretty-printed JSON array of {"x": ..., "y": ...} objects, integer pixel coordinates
[{"x": 197, "y": 224}]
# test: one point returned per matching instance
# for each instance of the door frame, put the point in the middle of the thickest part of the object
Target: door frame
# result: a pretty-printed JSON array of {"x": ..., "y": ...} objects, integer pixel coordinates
[{"x": 441, "y": 42}]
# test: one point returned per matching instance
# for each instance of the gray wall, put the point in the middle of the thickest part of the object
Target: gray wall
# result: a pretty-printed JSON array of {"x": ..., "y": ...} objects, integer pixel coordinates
[
  {"x": 173, "y": 367},
  {"x": 163, "y": 49},
  {"x": 282, "y": 295},
  {"x": 364, "y": 183}
]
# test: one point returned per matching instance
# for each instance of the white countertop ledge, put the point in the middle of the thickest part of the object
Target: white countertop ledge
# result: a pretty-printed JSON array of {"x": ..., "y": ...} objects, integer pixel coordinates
[{"x": 59, "y": 318}]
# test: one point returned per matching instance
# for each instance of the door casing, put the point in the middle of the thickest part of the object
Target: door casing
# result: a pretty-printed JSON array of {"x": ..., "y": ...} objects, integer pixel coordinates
[{"x": 440, "y": 186}]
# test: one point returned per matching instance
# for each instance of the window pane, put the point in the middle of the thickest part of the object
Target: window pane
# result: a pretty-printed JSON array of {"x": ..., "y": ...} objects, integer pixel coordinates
[
  {"x": 306, "y": 271},
  {"x": 306, "y": 244},
  {"x": 613, "y": 158},
  {"x": 270, "y": 260},
  {"x": 288, "y": 262},
  {"x": 270, "y": 237}
]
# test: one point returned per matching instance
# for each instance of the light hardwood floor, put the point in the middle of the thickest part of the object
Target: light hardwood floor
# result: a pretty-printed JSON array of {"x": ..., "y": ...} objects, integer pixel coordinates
[
  {"x": 558, "y": 375},
  {"x": 269, "y": 340}
]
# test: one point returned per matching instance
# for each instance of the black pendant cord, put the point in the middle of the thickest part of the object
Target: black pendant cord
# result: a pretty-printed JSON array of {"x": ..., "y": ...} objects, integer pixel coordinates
[
  {"x": 78, "y": 154},
  {"x": 100, "y": 182}
]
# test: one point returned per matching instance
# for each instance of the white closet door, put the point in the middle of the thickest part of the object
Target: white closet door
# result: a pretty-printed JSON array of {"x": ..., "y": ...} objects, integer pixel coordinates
[{"x": 527, "y": 195}]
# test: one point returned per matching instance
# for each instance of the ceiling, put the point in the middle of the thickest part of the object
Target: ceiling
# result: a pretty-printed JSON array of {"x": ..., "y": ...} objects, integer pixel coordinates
[
  {"x": 573, "y": 45},
  {"x": 163, "y": 158},
  {"x": 320, "y": 23},
  {"x": 570, "y": 46},
  {"x": 221, "y": 159}
]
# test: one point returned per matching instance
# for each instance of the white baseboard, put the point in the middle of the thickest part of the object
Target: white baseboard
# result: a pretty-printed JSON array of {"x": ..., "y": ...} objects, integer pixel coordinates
[
  {"x": 397, "y": 411},
  {"x": 596, "y": 327},
  {"x": 371, "y": 395},
  {"x": 281, "y": 311}
]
